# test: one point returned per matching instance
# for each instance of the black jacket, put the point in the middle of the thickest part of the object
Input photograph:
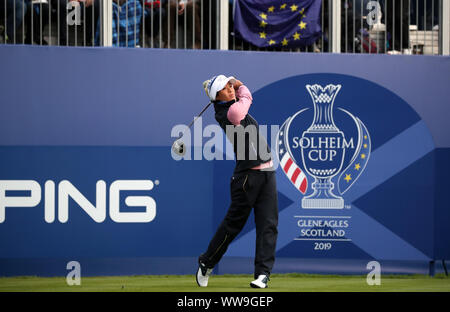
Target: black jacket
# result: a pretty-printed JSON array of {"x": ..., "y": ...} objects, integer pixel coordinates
[{"x": 250, "y": 148}]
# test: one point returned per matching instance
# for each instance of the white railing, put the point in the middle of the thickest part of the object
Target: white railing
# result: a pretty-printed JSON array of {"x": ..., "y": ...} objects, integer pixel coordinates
[{"x": 401, "y": 27}]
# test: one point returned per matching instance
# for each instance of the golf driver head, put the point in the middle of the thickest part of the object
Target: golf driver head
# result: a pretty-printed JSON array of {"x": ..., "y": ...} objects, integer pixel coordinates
[{"x": 179, "y": 148}]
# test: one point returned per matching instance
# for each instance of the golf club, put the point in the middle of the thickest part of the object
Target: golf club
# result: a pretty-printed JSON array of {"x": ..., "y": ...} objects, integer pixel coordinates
[{"x": 178, "y": 146}]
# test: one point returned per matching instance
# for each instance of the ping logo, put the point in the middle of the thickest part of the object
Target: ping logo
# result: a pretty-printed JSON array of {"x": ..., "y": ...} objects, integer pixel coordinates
[
  {"x": 328, "y": 152},
  {"x": 67, "y": 191}
]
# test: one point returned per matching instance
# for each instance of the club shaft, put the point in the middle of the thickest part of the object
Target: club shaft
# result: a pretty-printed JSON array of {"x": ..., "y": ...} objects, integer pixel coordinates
[
  {"x": 198, "y": 115},
  {"x": 195, "y": 119}
]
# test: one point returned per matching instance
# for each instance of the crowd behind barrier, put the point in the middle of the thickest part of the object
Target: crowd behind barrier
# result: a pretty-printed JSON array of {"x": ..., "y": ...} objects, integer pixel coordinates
[{"x": 381, "y": 26}]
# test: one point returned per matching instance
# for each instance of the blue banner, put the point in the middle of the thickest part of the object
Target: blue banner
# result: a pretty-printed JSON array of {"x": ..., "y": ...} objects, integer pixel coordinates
[{"x": 87, "y": 173}]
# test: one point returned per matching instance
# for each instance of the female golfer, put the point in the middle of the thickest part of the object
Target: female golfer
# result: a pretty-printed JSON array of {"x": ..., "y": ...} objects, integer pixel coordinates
[{"x": 253, "y": 183}]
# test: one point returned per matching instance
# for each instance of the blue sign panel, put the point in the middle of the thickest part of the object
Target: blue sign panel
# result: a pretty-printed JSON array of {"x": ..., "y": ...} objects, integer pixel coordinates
[{"x": 361, "y": 146}]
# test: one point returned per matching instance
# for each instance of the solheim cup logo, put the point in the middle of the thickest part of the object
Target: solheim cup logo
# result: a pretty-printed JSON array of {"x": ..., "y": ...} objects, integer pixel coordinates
[{"x": 328, "y": 152}]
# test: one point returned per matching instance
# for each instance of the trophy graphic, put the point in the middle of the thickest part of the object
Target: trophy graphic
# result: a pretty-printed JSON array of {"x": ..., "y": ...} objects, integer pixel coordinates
[
  {"x": 323, "y": 149},
  {"x": 323, "y": 152}
]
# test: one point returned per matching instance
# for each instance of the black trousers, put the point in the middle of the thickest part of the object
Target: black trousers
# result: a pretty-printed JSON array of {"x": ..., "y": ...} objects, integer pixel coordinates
[{"x": 251, "y": 189}]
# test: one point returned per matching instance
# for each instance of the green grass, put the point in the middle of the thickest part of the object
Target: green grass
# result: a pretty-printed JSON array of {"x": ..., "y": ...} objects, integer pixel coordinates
[{"x": 228, "y": 283}]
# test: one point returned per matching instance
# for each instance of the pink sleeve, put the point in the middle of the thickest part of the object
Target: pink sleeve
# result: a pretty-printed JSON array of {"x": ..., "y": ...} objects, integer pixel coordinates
[{"x": 239, "y": 110}]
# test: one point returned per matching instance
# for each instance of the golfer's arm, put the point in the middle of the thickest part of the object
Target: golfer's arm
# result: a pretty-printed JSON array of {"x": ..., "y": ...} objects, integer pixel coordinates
[{"x": 239, "y": 110}]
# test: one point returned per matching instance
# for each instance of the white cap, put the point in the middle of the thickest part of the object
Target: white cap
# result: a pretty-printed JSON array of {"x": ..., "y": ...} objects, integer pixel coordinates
[{"x": 215, "y": 84}]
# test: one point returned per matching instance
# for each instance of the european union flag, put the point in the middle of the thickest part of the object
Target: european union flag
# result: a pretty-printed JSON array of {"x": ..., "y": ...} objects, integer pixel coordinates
[{"x": 275, "y": 23}]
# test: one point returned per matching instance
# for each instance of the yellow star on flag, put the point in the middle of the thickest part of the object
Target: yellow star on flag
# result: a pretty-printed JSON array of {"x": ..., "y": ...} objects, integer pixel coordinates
[
  {"x": 302, "y": 25},
  {"x": 283, "y": 6},
  {"x": 294, "y": 8},
  {"x": 357, "y": 167},
  {"x": 263, "y": 16},
  {"x": 262, "y": 24},
  {"x": 302, "y": 11},
  {"x": 363, "y": 156},
  {"x": 365, "y": 145},
  {"x": 285, "y": 42},
  {"x": 262, "y": 35},
  {"x": 271, "y": 9},
  {"x": 348, "y": 177},
  {"x": 296, "y": 36},
  {"x": 272, "y": 42},
  {"x": 365, "y": 137}
]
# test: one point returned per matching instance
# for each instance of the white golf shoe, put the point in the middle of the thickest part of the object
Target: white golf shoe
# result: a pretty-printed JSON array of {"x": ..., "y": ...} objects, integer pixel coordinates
[
  {"x": 260, "y": 282},
  {"x": 203, "y": 274}
]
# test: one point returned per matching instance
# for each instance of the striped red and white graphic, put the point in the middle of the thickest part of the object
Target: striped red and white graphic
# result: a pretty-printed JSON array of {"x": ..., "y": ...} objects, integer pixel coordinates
[{"x": 294, "y": 173}]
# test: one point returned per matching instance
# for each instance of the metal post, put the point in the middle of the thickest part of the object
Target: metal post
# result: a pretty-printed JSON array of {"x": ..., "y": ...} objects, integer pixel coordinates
[
  {"x": 14, "y": 21},
  {"x": 346, "y": 28},
  {"x": 23, "y": 22},
  {"x": 49, "y": 23},
  {"x": 160, "y": 27},
  {"x": 425, "y": 24},
  {"x": 336, "y": 26},
  {"x": 84, "y": 24},
  {"x": 176, "y": 28},
  {"x": 417, "y": 23},
  {"x": 134, "y": 21},
  {"x": 217, "y": 24},
  {"x": 224, "y": 27},
  {"x": 126, "y": 32},
  {"x": 168, "y": 24},
  {"x": 93, "y": 26},
  {"x": 184, "y": 28},
  {"x": 6, "y": 20},
  {"x": 322, "y": 24},
  {"x": 143, "y": 23},
  {"x": 118, "y": 27},
  {"x": 444, "y": 28},
  {"x": 67, "y": 25},
  {"x": 354, "y": 26},
  {"x": 432, "y": 27},
  {"x": 193, "y": 24},
  {"x": 201, "y": 24},
  {"x": 361, "y": 29},
  {"x": 107, "y": 23},
  {"x": 57, "y": 22},
  {"x": 210, "y": 26},
  {"x": 401, "y": 26}
]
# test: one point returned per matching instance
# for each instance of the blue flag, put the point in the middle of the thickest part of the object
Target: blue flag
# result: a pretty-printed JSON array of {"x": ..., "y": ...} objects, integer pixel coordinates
[{"x": 275, "y": 23}]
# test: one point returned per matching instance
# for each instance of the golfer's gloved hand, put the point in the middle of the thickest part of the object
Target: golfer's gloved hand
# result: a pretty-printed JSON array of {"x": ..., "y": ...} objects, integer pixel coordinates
[{"x": 237, "y": 84}]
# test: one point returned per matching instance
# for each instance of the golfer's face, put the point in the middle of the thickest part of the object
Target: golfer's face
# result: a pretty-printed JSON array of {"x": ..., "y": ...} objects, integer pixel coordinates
[{"x": 226, "y": 94}]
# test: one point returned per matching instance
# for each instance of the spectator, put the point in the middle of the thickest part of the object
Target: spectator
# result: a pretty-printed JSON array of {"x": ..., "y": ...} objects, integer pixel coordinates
[
  {"x": 355, "y": 27},
  {"x": 188, "y": 13},
  {"x": 154, "y": 14},
  {"x": 193, "y": 17},
  {"x": 15, "y": 11},
  {"x": 350, "y": 25},
  {"x": 210, "y": 8},
  {"x": 36, "y": 18},
  {"x": 126, "y": 23},
  {"x": 396, "y": 19},
  {"x": 92, "y": 9},
  {"x": 425, "y": 14}
]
